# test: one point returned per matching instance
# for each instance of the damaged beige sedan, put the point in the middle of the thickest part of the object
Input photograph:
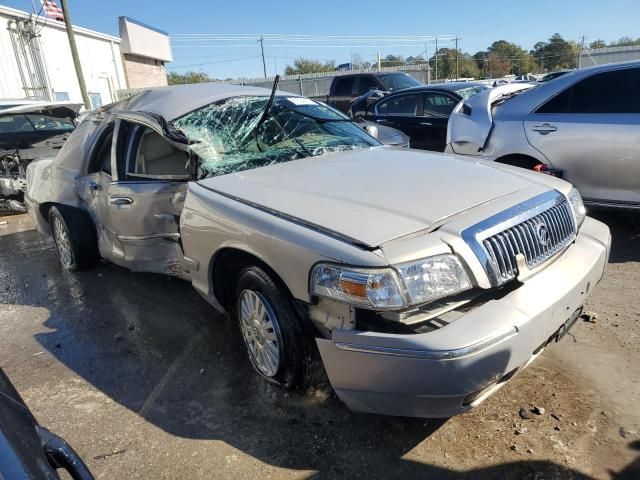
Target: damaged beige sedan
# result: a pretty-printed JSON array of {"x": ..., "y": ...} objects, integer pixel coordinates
[{"x": 420, "y": 283}]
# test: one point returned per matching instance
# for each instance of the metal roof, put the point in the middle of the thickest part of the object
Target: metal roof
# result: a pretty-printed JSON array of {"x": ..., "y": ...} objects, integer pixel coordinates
[{"x": 177, "y": 100}]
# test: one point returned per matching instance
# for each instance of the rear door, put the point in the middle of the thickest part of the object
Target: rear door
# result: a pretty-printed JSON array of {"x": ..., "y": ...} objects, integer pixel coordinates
[
  {"x": 343, "y": 92},
  {"x": 591, "y": 131},
  {"x": 404, "y": 112},
  {"x": 435, "y": 116},
  {"x": 144, "y": 200}
]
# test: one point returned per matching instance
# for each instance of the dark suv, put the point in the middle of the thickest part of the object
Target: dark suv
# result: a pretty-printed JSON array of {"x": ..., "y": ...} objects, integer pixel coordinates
[{"x": 346, "y": 88}]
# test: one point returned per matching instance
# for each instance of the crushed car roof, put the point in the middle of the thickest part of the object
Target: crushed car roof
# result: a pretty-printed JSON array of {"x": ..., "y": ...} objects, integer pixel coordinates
[{"x": 177, "y": 100}]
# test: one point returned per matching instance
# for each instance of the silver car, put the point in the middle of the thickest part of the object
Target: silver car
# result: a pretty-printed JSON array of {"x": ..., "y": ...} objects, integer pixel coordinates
[
  {"x": 584, "y": 124},
  {"x": 418, "y": 283}
]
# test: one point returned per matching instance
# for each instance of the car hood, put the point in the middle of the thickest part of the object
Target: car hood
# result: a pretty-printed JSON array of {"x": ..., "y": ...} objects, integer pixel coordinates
[{"x": 370, "y": 196}]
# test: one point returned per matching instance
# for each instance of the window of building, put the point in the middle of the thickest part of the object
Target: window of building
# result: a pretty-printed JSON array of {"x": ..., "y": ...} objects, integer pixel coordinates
[
  {"x": 96, "y": 100},
  {"x": 61, "y": 96}
]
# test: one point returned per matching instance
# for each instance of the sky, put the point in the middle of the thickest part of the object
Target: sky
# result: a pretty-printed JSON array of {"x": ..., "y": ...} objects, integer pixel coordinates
[{"x": 476, "y": 22}]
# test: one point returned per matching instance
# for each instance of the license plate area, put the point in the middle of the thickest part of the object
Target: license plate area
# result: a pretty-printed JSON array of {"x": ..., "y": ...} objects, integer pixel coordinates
[{"x": 562, "y": 331}]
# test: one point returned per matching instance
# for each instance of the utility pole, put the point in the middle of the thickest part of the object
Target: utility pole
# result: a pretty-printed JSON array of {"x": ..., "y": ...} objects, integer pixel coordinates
[
  {"x": 579, "y": 62},
  {"x": 264, "y": 65},
  {"x": 378, "y": 60},
  {"x": 436, "y": 55},
  {"x": 457, "y": 75},
  {"x": 426, "y": 54},
  {"x": 74, "y": 54}
]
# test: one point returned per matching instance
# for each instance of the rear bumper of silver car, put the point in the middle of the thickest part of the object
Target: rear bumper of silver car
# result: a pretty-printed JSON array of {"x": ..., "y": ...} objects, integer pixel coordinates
[{"x": 453, "y": 369}]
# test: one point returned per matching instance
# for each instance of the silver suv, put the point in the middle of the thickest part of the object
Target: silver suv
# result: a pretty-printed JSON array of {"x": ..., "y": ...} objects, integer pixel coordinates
[{"x": 418, "y": 282}]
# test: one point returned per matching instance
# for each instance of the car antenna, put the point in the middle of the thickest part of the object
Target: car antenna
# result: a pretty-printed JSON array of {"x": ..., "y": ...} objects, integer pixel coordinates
[{"x": 267, "y": 107}]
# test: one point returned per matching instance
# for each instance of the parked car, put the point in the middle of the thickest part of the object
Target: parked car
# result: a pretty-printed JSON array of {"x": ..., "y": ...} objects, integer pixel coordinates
[
  {"x": 28, "y": 449},
  {"x": 421, "y": 282},
  {"x": 421, "y": 113},
  {"x": 346, "y": 88},
  {"x": 30, "y": 131},
  {"x": 584, "y": 125},
  {"x": 552, "y": 75},
  {"x": 529, "y": 77}
]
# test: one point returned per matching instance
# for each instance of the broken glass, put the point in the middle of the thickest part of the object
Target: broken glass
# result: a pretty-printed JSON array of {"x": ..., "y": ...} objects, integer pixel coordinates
[{"x": 228, "y": 136}]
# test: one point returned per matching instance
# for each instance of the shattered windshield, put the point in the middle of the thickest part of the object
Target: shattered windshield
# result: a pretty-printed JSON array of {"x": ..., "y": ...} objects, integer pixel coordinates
[{"x": 229, "y": 136}]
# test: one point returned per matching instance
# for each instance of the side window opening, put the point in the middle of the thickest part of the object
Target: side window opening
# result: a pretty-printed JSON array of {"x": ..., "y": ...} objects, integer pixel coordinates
[
  {"x": 150, "y": 156},
  {"x": 366, "y": 83},
  {"x": 607, "y": 92},
  {"x": 101, "y": 160},
  {"x": 438, "y": 105},
  {"x": 344, "y": 85},
  {"x": 400, "y": 105}
]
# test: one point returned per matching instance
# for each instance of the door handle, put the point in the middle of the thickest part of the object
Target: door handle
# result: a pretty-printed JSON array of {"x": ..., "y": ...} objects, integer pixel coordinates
[
  {"x": 120, "y": 200},
  {"x": 426, "y": 124},
  {"x": 544, "y": 129}
]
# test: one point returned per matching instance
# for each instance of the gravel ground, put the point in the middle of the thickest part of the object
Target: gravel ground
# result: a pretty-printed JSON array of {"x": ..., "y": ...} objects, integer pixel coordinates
[{"x": 141, "y": 376}]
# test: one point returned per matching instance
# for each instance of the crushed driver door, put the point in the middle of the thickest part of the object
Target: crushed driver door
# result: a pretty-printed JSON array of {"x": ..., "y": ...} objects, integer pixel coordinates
[{"x": 146, "y": 196}]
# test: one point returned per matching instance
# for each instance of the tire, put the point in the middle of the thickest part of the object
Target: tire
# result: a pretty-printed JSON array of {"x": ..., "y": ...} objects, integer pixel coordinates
[
  {"x": 289, "y": 355},
  {"x": 74, "y": 235}
]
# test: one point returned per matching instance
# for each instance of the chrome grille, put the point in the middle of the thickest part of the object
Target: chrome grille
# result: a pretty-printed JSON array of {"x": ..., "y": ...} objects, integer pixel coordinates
[
  {"x": 538, "y": 239},
  {"x": 536, "y": 229}
]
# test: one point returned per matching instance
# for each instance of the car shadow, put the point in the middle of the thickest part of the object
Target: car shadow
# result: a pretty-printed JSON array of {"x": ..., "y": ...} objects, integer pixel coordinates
[
  {"x": 625, "y": 233},
  {"x": 153, "y": 345}
]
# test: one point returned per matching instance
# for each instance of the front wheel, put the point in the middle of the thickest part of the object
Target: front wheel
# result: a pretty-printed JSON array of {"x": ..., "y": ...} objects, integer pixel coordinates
[{"x": 279, "y": 346}]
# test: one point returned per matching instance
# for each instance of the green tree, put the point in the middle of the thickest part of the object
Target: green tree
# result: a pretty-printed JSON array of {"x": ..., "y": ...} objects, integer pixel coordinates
[
  {"x": 598, "y": 44},
  {"x": 446, "y": 58},
  {"x": 504, "y": 58},
  {"x": 392, "y": 61},
  {"x": 304, "y": 65},
  {"x": 175, "y": 78},
  {"x": 556, "y": 53},
  {"x": 624, "y": 42}
]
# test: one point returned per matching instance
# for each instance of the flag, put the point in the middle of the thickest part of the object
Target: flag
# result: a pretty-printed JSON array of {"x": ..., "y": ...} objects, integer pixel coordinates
[{"x": 52, "y": 10}]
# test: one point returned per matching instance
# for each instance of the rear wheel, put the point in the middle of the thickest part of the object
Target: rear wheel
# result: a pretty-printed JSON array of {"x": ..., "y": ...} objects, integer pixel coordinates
[
  {"x": 74, "y": 236},
  {"x": 279, "y": 346}
]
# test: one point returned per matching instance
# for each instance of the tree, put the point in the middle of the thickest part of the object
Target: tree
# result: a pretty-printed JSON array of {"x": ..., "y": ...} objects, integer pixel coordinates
[
  {"x": 624, "y": 42},
  {"x": 175, "y": 78},
  {"x": 598, "y": 44},
  {"x": 446, "y": 58},
  {"x": 304, "y": 65},
  {"x": 504, "y": 58},
  {"x": 392, "y": 61},
  {"x": 556, "y": 54}
]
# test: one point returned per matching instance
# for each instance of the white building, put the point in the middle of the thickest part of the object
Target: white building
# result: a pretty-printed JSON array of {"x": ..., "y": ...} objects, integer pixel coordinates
[{"x": 36, "y": 62}]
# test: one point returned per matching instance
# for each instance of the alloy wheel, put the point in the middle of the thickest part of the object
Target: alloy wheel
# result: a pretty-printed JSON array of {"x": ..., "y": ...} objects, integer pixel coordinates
[{"x": 260, "y": 331}]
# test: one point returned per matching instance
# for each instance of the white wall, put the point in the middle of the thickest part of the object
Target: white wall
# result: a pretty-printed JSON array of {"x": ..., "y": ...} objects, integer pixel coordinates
[{"x": 99, "y": 56}]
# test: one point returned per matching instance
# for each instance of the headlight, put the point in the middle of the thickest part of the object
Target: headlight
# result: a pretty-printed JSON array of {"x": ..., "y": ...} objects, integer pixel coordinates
[
  {"x": 368, "y": 288},
  {"x": 409, "y": 283},
  {"x": 432, "y": 278},
  {"x": 579, "y": 212}
]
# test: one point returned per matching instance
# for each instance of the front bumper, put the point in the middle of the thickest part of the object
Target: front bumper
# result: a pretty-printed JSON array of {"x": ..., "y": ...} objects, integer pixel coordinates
[{"x": 451, "y": 370}]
